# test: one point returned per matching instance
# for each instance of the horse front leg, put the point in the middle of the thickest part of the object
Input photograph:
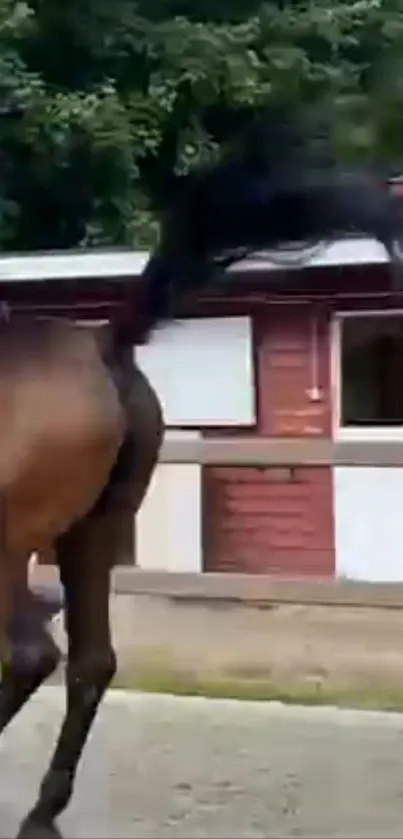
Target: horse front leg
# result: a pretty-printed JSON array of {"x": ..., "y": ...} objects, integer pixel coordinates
[
  {"x": 84, "y": 561},
  {"x": 29, "y": 654}
]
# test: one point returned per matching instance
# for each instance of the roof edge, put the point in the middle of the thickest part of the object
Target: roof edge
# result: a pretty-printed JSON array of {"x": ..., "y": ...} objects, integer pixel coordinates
[{"x": 110, "y": 264}]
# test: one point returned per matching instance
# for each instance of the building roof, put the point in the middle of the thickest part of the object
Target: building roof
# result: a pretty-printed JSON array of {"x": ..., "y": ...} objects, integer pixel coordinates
[{"x": 110, "y": 264}]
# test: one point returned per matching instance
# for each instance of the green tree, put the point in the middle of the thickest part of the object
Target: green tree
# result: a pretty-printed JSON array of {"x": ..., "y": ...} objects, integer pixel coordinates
[{"x": 121, "y": 96}]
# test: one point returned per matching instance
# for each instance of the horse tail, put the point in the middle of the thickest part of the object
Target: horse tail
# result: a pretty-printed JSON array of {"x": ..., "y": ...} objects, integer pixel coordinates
[{"x": 283, "y": 182}]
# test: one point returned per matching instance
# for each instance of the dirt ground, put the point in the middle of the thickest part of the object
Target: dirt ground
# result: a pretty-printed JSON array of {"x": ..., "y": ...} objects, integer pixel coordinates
[{"x": 285, "y": 643}]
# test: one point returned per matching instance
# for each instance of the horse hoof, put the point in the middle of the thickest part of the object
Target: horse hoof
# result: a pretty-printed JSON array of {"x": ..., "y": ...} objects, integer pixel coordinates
[{"x": 33, "y": 828}]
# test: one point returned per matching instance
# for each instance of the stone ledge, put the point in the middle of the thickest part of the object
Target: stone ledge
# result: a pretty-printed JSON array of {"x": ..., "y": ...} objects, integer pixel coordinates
[{"x": 256, "y": 590}]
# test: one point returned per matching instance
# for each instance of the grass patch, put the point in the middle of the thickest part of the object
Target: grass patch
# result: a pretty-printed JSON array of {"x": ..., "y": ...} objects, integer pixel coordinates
[{"x": 309, "y": 692}]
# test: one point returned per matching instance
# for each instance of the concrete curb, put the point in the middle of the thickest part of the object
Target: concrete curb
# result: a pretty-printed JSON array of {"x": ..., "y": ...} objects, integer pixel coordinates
[{"x": 255, "y": 590}]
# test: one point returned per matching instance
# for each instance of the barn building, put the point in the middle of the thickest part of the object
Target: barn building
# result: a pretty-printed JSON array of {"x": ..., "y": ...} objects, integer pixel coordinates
[{"x": 314, "y": 353}]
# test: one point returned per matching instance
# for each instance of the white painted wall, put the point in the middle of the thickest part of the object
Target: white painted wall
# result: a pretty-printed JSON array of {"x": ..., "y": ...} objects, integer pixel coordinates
[
  {"x": 168, "y": 525},
  {"x": 202, "y": 370},
  {"x": 368, "y": 502},
  {"x": 369, "y": 523}
]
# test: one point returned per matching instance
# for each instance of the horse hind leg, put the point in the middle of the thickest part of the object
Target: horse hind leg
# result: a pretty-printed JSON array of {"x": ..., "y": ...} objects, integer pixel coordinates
[
  {"x": 84, "y": 558},
  {"x": 86, "y": 555}
]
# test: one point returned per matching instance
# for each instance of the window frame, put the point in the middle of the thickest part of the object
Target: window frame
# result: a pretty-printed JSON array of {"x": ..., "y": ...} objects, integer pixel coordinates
[{"x": 352, "y": 433}]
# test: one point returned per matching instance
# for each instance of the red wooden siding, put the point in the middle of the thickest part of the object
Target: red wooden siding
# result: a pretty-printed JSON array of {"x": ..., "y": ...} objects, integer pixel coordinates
[{"x": 262, "y": 520}]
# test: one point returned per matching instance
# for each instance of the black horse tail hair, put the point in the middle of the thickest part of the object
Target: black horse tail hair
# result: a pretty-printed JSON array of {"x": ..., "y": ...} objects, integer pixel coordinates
[
  {"x": 281, "y": 184},
  {"x": 158, "y": 282},
  {"x": 167, "y": 282}
]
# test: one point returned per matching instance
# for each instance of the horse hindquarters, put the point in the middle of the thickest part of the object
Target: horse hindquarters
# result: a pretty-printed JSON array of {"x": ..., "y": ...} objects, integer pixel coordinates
[
  {"x": 86, "y": 555},
  {"x": 61, "y": 427}
]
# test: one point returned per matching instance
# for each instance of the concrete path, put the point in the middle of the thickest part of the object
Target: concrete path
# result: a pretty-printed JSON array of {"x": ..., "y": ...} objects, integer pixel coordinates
[{"x": 159, "y": 768}]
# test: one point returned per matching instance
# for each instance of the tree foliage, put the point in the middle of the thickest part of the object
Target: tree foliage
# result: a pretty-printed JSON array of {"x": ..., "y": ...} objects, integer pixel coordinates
[{"x": 121, "y": 96}]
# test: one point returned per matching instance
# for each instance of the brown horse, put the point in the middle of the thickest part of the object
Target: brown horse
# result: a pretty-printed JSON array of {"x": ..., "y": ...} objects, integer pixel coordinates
[
  {"x": 81, "y": 427},
  {"x": 80, "y": 431}
]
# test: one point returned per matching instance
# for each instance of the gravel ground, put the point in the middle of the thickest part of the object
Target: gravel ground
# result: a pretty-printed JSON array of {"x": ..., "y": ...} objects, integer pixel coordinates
[{"x": 162, "y": 767}]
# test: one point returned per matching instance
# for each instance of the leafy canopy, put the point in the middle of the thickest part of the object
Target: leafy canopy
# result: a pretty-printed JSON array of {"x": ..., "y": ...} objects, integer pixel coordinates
[{"x": 121, "y": 96}]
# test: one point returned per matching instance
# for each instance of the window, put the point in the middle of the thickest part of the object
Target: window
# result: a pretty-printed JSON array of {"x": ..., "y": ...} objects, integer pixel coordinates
[{"x": 371, "y": 371}]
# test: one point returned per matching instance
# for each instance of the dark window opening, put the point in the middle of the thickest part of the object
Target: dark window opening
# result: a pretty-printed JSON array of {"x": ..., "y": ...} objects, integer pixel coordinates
[{"x": 372, "y": 371}]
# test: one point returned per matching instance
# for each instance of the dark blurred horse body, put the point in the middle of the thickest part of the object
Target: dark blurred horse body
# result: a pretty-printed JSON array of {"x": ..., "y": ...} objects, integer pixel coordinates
[{"x": 81, "y": 426}]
